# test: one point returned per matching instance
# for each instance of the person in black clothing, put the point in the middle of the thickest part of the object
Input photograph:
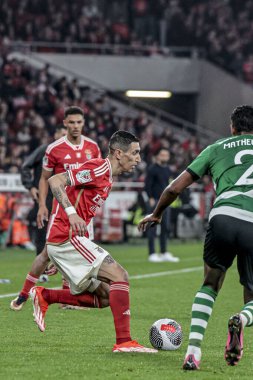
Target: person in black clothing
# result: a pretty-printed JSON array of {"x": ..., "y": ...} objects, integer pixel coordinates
[
  {"x": 30, "y": 176},
  {"x": 157, "y": 178}
]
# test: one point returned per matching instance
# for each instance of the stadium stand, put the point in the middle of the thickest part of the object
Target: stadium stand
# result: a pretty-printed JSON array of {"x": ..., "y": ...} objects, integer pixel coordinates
[
  {"x": 33, "y": 103},
  {"x": 220, "y": 29},
  {"x": 33, "y": 99}
]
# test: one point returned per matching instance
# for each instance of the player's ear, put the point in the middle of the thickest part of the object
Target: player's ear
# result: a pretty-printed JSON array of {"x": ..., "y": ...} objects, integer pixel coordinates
[
  {"x": 233, "y": 130},
  {"x": 65, "y": 123},
  {"x": 118, "y": 153}
]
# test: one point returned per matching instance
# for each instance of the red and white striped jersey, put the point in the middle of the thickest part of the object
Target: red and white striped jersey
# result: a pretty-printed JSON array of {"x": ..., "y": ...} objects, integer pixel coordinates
[
  {"x": 90, "y": 187},
  {"x": 62, "y": 155}
]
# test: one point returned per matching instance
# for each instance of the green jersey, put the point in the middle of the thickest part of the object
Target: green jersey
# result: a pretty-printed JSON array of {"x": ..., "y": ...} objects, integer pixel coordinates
[{"x": 230, "y": 163}]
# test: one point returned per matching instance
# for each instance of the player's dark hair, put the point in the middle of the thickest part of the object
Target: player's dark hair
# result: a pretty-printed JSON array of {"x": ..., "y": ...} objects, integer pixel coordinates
[
  {"x": 58, "y": 127},
  {"x": 160, "y": 149},
  {"x": 242, "y": 118},
  {"x": 73, "y": 110},
  {"x": 121, "y": 140}
]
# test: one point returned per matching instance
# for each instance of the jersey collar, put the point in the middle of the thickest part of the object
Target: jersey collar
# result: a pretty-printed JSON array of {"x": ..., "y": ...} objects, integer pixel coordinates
[{"x": 74, "y": 146}]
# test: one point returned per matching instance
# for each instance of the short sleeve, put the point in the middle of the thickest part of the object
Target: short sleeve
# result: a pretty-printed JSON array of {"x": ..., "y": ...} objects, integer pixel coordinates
[
  {"x": 201, "y": 164},
  {"x": 85, "y": 175},
  {"x": 48, "y": 162}
]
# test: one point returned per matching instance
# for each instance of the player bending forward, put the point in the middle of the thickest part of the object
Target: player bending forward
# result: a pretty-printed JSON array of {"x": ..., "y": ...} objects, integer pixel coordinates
[{"x": 79, "y": 193}]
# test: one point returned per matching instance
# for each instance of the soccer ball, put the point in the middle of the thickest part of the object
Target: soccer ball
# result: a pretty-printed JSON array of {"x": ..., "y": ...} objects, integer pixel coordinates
[{"x": 166, "y": 334}]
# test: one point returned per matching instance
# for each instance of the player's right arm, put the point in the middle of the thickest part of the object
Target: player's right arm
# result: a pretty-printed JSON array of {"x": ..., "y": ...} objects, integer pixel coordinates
[
  {"x": 42, "y": 215},
  {"x": 58, "y": 184}
]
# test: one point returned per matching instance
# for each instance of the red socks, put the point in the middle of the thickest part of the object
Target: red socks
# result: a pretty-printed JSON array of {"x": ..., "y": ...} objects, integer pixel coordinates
[
  {"x": 64, "y": 296},
  {"x": 30, "y": 281},
  {"x": 119, "y": 303}
]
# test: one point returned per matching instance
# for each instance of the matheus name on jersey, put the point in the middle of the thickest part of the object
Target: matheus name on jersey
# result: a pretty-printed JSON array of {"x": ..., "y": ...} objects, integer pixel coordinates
[
  {"x": 234, "y": 144},
  {"x": 230, "y": 163}
]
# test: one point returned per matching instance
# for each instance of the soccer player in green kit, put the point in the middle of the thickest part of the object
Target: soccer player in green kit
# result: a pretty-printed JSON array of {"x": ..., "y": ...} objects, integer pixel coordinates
[{"x": 230, "y": 163}]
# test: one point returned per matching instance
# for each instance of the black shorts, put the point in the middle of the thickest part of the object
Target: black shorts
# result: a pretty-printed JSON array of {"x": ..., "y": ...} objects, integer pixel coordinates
[{"x": 226, "y": 238}]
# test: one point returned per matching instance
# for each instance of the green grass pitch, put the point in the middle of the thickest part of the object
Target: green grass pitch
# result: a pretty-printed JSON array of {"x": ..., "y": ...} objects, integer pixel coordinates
[{"x": 77, "y": 344}]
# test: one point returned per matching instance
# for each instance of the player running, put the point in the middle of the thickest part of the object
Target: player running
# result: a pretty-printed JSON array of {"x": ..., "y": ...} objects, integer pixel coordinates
[
  {"x": 230, "y": 163},
  {"x": 79, "y": 194},
  {"x": 68, "y": 152}
]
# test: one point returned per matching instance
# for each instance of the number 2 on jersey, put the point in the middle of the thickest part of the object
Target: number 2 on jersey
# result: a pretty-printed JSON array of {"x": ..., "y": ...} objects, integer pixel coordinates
[{"x": 244, "y": 179}]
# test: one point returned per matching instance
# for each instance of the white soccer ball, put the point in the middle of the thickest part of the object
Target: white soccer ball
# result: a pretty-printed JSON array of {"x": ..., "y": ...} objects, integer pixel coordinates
[{"x": 166, "y": 334}]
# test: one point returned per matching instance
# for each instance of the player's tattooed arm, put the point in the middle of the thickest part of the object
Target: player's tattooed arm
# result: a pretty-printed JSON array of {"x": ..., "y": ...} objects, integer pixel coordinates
[
  {"x": 58, "y": 183},
  {"x": 108, "y": 260}
]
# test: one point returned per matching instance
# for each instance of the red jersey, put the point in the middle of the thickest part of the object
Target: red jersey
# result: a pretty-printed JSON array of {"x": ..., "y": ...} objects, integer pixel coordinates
[
  {"x": 62, "y": 155},
  {"x": 90, "y": 186}
]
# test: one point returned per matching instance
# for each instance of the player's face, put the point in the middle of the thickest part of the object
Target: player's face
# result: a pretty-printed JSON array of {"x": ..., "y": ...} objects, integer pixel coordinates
[
  {"x": 131, "y": 158},
  {"x": 163, "y": 157},
  {"x": 74, "y": 125}
]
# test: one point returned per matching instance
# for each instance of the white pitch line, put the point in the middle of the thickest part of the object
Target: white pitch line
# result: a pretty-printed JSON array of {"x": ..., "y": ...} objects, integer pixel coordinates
[
  {"x": 167, "y": 273},
  {"x": 8, "y": 295},
  {"x": 138, "y": 277}
]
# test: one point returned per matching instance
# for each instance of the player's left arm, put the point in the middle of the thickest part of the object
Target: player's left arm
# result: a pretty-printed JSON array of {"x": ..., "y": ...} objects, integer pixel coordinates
[
  {"x": 168, "y": 196},
  {"x": 58, "y": 184}
]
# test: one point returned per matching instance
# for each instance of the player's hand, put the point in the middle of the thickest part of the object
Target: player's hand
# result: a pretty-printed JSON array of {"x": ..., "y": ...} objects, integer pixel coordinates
[
  {"x": 51, "y": 270},
  {"x": 147, "y": 222},
  {"x": 78, "y": 225},
  {"x": 42, "y": 216},
  {"x": 35, "y": 193}
]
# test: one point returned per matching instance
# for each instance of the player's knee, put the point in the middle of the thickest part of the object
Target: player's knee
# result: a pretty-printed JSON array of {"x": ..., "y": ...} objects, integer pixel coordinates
[
  {"x": 120, "y": 274},
  {"x": 214, "y": 278},
  {"x": 44, "y": 256},
  {"x": 125, "y": 276}
]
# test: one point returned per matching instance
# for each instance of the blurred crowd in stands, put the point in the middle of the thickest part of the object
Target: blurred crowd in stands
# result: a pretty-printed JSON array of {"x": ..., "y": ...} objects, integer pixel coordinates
[
  {"x": 223, "y": 29},
  {"x": 32, "y": 103}
]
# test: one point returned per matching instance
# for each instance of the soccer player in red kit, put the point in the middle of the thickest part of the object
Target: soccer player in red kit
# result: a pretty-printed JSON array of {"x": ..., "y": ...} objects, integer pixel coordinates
[
  {"x": 68, "y": 152},
  {"x": 79, "y": 194}
]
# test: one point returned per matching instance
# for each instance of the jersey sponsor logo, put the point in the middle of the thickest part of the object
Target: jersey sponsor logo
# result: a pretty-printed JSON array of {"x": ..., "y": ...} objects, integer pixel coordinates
[
  {"x": 84, "y": 176},
  {"x": 107, "y": 189},
  {"x": 98, "y": 203},
  {"x": 98, "y": 200},
  {"x": 76, "y": 165},
  {"x": 67, "y": 157}
]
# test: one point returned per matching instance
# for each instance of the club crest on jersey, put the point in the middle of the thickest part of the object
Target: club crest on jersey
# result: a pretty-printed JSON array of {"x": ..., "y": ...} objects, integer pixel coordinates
[
  {"x": 88, "y": 154},
  {"x": 84, "y": 176}
]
